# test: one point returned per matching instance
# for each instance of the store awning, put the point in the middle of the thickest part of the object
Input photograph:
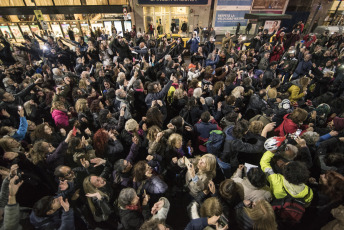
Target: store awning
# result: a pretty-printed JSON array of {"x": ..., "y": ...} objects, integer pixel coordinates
[{"x": 268, "y": 16}]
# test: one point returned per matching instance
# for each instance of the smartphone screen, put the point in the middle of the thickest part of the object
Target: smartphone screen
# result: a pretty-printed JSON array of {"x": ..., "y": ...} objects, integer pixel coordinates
[{"x": 74, "y": 131}]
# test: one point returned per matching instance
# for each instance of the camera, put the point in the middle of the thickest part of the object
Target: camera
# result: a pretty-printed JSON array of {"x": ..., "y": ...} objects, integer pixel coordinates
[
  {"x": 20, "y": 178},
  {"x": 223, "y": 221}
]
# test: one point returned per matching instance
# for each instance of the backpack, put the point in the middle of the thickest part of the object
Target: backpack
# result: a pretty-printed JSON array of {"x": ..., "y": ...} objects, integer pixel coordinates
[
  {"x": 215, "y": 142},
  {"x": 289, "y": 209},
  {"x": 284, "y": 88}
]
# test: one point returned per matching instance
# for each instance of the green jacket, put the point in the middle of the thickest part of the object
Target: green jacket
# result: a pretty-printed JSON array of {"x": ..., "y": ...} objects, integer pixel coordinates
[{"x": 280, "y": 186}]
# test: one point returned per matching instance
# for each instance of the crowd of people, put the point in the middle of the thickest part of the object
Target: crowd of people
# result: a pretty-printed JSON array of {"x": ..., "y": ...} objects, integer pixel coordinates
[{"x": 115, "y": 133}]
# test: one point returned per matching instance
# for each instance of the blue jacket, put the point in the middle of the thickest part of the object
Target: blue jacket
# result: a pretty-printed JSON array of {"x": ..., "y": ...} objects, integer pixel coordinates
[
  {"x": 197, "y": 224},
  {"x": 203, "y": 129},
  {"x": 303, "y": 68},
  {"x": 21, "y": 132},
  {"x": 55, "y": 221},
  {"x": 212, "y": 63},
  {"x": 194, "y": 44},
  {"x": 157, "y": 96}
]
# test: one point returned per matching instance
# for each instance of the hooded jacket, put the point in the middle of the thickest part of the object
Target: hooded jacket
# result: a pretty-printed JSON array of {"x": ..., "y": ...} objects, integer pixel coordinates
[
  {"x": 54, "y": 221},
  {"x": 61, "y": 118},
  {"x": 288, "y": 126},
  {"x": 280, "y": 187}
]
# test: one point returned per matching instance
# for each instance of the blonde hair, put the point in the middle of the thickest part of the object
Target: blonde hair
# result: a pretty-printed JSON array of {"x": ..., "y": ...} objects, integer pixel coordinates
[
  {"x": 329, "y": 73},
  {"x": 152, "y": 131},
  {"x": 55, "y": 105},
  {"x": 304, "y": 81},
  {"x": 178, "y": 94},
  {"x": 89, "y": 188},
  {"x": 210, "y": 167},
  {"x": 174, "y": 138},
  {"x": 82, "y": 84},
  {"x": 256, "y": 127},
  {"x": 262, "y": 215},
  {"x": 238, "y": 91},
  {"x": 211, "y": 207},
  {"x": 81, "y": 105}
]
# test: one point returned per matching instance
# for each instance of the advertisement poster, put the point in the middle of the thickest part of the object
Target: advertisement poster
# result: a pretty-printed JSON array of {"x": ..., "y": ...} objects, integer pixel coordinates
[
  {"x": 34, "y": 29},
  {"x": 65, "y": 28},
  {"x": 75, "y": 29},
  {"x": 231, "y": 12},
  {"x": 127, "y": 25},
  {"x": 269, "y": 5},
  {"x": 271, "y": 26},
  {"x": 108, "y": 26},
  {"x": 57, "y": 30},
  {"x": 6, "y": 31},
  {"x": 228, "y": 19},
  {"x": 118, "y": 26},
  {"x": 16, "y": 32},
  {"x": 25, "y": 29},
  {"x": 85, "y": 29}
]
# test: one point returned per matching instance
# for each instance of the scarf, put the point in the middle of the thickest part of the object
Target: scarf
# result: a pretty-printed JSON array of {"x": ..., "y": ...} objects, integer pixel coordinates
[
  {"x": 134, "y": 207},
  {"x": 139, "y": 90}
]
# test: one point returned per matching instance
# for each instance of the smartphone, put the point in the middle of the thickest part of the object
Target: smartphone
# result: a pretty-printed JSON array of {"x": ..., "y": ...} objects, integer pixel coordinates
[
  {"x": 187, "y": 162},
  {"x": 189, "y": 150},
  {"x": 20, "y": 107},
  {"x": 74, "y": 131}
]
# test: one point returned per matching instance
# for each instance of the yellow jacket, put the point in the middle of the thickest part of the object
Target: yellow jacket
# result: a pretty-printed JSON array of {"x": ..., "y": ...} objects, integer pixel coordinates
[
  {"x": 295, "y": 95},
  {"x": 280, "y": 186}
]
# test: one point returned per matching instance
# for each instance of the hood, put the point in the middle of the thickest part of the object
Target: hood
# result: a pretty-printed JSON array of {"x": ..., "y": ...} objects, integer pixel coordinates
[
  {"x": 58, "y": 113},
  {"x": 297, "y": 83},
  {"x": 297, "y": 191}
]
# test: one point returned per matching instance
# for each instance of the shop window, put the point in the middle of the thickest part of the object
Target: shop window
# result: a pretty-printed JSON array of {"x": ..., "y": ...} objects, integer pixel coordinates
[
  {"x": 117, "y": 2},
  {"x": 96, "y": 2},
  {"x": 12, "y": 3},
  {"x": 67, "y": 2},
  {"x": 39, "y": 3}
]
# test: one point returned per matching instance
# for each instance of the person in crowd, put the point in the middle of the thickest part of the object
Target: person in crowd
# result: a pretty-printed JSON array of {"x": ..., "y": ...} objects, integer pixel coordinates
[{"x": 145, "y": 114}]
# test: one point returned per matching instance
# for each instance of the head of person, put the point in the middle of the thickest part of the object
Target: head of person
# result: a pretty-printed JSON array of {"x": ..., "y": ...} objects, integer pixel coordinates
[
  {"x": 296, "y": 172},
  {"x": 81, "y": 105},
  {"x": 332, "y": 185},
  {"x": 238, "y": 92},
  {"x": 131, "y": 126},
  {"x": 197, "y": 93},
  {"x": 298, "y": 116},
  {"x": 40, "y": 150},
  {"x": 154, "y": 224},
  {"x": 257, "y": 177},
  {"x": 153, "y": 132},
  {"x": 290, "y": 152},
  {"x": 308, "y": 57},
  {"x": 154, "y": 117},
  {"x": 46, "y": 206},
  {"x": 142, "y": 171},
  {"x": 63, "y": 172},
  {"x": 100, "y": 140},
  {"x": 175, "y": 140},
  {"x": 256, "y": 127},
  {"x": 92, "y": 184},
  {"x": 273, "y": 65},
  {"x": 267, "y": 55},
  {"x": 275, "y": 83},
  {"x": 6, "y": 96},
  {"x": 138, "y": 84},
  {"x": 207, "y": 165},
  {"x": 310, "y": 137},
  {"x": 229, "y": 190},
  {"x": 128, "y": 197},
  {"x": 205, "y": 117},
  {"x": 240, "y": 129},
  {"x": 262, "y": 215},
  {"x": 211, "y": 207}
]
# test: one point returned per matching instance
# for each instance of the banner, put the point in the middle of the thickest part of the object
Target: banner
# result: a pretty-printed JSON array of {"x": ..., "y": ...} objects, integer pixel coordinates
[
  {"x": 174, "y": 2},
  {"x": 230, "y": 18},
  {"x": 231, "y": 12}
]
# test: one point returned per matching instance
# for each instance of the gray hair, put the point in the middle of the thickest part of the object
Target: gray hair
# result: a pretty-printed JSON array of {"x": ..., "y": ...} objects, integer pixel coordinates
[
  {"x": 197, "y": 93},
  {"x": 310, "y": 137},
  {"x": 56, "y": 71},
  {"x": 126, "y": 196},
  {"x": 136, "y": 84},
  {"x": 291, "y": 148}
]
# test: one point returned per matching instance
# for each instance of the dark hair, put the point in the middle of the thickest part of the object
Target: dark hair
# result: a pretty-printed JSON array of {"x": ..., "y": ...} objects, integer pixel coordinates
[
  {"x": 230, "y": 100},
  {"x": 298, "y": 115},
  {"x": 296, "y": 172},
  {"x": 154, "y": 117},
  {"x": 334, "y": 188},
  {"x": 257, "y": 177},
  {"x": 178, "y": 123},
  {"x": 232, "y": 116},
  {"x": 205, "y": 117},
  {"x": 57, "y": 171},
  {"x": 334, "y": 159},
  {"x": 41, "y": 207},
  {"x": 228, "y": 189},
  {"x": 240, "y": 128},
  {"x": 275, "y": 82},
  {"x": 139, "y": 171}
]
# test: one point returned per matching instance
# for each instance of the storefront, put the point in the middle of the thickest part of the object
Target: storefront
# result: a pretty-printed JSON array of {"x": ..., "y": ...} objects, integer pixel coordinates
[
  {"x": 162, "y": 14},
  {"x": 335, "y": 15}
]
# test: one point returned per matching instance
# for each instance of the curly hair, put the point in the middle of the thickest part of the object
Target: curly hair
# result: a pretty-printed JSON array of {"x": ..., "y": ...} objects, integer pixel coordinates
[
  {"x": 240, "y": 128},
  {"x": 152, "y": 131},
  {"x": 81, "y": 105},
  {"x": 100, "y": 140},
  {"x": 296, "y": 172},
  {"x": 154, "y": 117},
  {"x": 95, "y": 108},
  {"x": 39, "y": 134},
  {"x": 257, "y": 177},
  {"x": 334, "y": 188},
  {"x": 218, "y": 85},
  {"x": 38, "y": 152}
]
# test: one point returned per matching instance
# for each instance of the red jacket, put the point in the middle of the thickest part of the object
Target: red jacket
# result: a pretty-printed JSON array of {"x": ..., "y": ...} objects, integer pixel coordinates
[
  {"x": 276, "y": 54},
  {"x": 288, "y": 126}
]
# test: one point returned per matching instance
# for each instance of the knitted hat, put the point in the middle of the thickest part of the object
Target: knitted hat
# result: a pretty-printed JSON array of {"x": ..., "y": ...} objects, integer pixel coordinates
[
  {"x": 131, "y": 125},
  {"x": 338, "y": 123},
  {"x": 323, "y": 110}
]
